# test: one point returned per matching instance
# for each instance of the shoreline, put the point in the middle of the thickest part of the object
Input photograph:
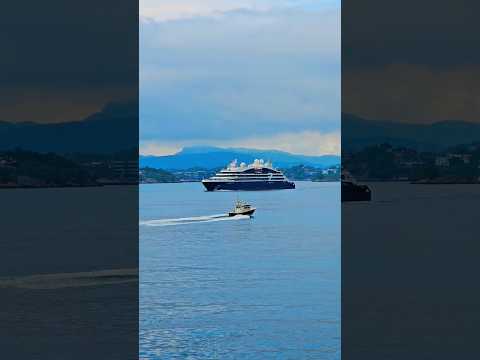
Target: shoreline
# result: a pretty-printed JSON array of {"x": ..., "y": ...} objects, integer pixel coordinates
[{"x": 63, "y": 186}]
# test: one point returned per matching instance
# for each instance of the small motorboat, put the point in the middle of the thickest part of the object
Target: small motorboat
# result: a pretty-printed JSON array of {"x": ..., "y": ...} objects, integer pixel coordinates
[{"x": 242, "y": 208}]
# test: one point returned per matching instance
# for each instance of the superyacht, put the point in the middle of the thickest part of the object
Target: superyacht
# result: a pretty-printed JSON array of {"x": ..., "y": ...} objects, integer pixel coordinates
[{"x": 259, "y": 175}]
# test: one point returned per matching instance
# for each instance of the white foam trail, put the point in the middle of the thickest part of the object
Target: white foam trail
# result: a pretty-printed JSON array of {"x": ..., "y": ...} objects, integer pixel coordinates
[
  {"x": 63, "y": 280},
  {"x": 193, "y": 220}
]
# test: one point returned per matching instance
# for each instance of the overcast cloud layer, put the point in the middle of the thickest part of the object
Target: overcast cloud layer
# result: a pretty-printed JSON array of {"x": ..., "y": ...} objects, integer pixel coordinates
[
  {"x": 418, "y": 62},
  {"x": 62, "y": 61},
  {"x": 255, "y": 73}
]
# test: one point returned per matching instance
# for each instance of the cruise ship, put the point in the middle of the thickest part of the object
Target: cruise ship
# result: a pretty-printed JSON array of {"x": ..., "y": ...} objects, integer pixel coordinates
[{"x": 259, "y": 175}]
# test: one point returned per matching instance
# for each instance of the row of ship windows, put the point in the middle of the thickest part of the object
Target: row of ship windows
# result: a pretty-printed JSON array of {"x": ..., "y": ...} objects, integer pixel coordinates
[
  {"x": 241, "y": 173},
  {"x": 249, "y": 179},
  {"x": 249, "y": 175}
]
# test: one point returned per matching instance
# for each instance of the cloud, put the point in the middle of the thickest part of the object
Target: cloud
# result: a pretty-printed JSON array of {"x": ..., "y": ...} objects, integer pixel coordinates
[
  {"x": 165, "y": 10},
  {"x": 305, "y": 143},
  {"x": 411, "y": 61},
  {"x": 242, "y": 74},
  {"x": 22, "y": 103},
  {"x": 159, "y": 149},
  {"x": 413, "y": 93},
  {"x": 186, "y": 9},
  {"x": 437, "y": 34},
  {"x": 62, "y": 61}
]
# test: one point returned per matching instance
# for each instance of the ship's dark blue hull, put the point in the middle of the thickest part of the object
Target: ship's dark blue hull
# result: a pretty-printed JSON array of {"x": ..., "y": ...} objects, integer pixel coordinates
[{"x": 248, "y": 185}]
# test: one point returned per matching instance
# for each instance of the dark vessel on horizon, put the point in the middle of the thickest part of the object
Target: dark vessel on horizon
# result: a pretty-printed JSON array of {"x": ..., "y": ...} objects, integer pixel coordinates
[
  {"x": 352, "y": 191},
  {"x": 259, "y": 175}
]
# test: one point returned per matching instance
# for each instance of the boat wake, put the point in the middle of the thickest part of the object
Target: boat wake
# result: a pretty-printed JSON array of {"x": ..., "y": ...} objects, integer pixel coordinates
[{"x": 193, "y": 220}]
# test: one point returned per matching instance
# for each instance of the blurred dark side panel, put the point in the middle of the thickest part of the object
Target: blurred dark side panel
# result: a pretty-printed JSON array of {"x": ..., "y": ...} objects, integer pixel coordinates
[
  {"x": 411, "y": 140},
  {"x": 69, "y": 180}
]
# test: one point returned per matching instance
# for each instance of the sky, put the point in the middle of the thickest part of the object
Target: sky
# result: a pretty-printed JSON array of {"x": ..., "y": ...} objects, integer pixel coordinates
[
  {"x": 411, "y": 61},
  {"x": 248, "y": 73},
  {"x": 62, "y": 61}
]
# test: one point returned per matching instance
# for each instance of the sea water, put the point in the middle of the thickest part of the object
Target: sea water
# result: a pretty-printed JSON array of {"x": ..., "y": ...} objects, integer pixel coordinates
[{"x": 219, "y": 287}]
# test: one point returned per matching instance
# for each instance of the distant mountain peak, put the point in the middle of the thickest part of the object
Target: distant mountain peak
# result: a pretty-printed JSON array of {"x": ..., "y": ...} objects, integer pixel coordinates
[
  {"x": 203, "y": 149},
  {"x": 211, "y": 157},
  {"x": 110, "y": 130}
]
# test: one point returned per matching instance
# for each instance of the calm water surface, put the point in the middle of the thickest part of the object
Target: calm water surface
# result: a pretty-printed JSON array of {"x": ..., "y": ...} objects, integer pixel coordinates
[
  {"x": 410, "y": 273},
  {"x": 50, "y": 308},
  {"x": 213, "y": 287}
]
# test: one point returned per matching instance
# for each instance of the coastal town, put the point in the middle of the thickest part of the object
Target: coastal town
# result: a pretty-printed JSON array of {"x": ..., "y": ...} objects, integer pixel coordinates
[
  {"x": 28, "y": 169},
  {"x": 384, "y": 162}
]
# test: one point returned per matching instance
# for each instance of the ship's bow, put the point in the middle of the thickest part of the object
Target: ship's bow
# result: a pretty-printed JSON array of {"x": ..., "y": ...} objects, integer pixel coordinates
[{"x": 209, "y": 185}]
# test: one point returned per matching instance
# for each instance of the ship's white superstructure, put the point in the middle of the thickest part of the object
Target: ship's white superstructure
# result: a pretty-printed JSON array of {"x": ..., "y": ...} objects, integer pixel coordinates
[{"x": 256, "y": 171}]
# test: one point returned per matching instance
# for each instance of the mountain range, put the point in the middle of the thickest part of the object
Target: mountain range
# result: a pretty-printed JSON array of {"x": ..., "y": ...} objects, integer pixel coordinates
[
  {"x": 112, "y": 129},
  {"x": 115, "y": 128},
  {"x": 358, "y": 133},
  {"x": 209, "y": 157}
]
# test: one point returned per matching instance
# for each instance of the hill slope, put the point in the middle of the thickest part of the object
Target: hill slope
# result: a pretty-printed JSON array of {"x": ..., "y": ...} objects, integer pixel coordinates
[
  {"x": 110, "y": 130},
  {"x": 213, "y": 157},
  {"x": 358, "y": 133}
]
